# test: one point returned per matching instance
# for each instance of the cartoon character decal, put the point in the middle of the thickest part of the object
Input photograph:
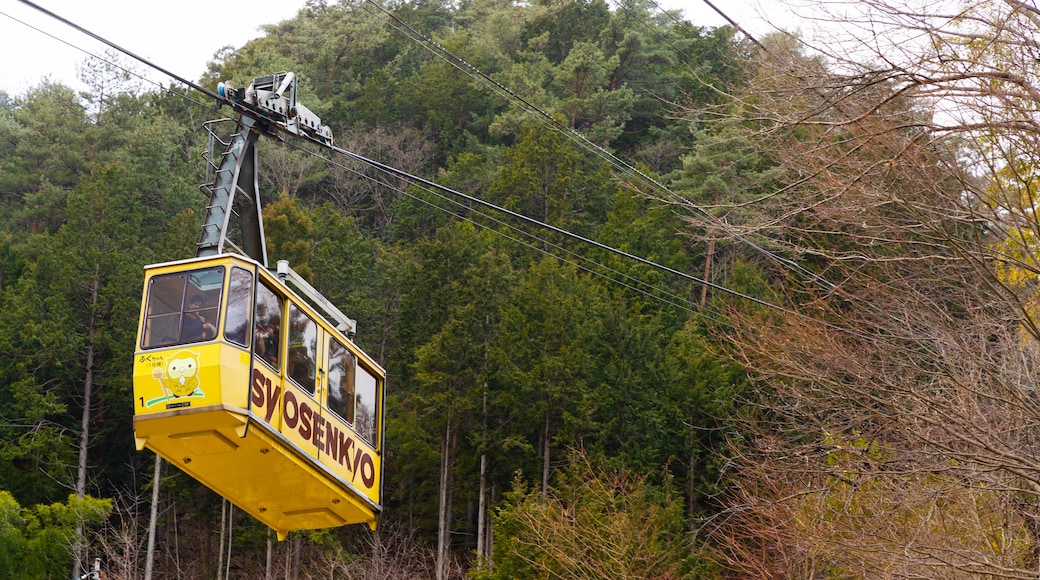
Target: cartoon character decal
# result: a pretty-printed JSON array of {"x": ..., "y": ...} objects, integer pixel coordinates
[{"x": 179, "y": 378}]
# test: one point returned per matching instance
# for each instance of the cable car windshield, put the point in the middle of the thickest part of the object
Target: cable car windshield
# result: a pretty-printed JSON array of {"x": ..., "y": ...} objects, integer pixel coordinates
[{"x": 182, "y": 308}]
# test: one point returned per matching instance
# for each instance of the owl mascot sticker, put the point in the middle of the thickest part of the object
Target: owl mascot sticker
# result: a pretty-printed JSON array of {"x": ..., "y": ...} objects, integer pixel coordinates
[{"x": 180, "y": 376}]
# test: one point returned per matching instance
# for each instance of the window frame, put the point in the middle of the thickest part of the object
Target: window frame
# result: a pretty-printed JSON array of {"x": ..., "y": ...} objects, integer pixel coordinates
[{"x": 188, "y": 289}]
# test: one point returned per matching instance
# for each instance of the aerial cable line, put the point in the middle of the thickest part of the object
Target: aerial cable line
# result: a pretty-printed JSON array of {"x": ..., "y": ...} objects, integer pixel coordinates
[
  {"x": 416, "y": 179},
  {"x": 118, "y": 48},
  {"x": 461, "y": 64},
  {"x": 732, "y": 23},
  {"x": 634, "y": 284},
  {"x": 571, "y": 235},
  {"x": 95, "y": 56},
  {"x": 385, "y": 168}
]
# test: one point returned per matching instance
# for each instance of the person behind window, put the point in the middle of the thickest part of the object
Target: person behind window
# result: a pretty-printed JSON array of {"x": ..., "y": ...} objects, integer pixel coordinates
[
  {"x": 195, "y": 326},
  {"x": 267, "y": 339}
]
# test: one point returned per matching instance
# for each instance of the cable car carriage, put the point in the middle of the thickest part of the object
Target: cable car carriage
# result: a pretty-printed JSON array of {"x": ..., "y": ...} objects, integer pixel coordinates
[{"x": 249, "y": 380}]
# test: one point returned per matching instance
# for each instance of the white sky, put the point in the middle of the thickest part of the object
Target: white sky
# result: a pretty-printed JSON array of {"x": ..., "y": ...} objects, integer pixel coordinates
[{"x": 183, "y": 35}]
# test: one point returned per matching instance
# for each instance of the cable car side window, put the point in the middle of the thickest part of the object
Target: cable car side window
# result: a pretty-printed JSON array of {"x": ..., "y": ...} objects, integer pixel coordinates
[
  {"x": 182, "y": 307},
  {"x": 303, "y": 348},
  {"x": 341, "y": 381},
  {"x": 268, "y": 330},
  {"x": 365, "y": 404},
  {"x": 240, "y": 298}
]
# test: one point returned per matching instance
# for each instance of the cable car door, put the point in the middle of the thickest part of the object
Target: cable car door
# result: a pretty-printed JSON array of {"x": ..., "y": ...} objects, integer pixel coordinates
[{"x": 301, "y": 412}]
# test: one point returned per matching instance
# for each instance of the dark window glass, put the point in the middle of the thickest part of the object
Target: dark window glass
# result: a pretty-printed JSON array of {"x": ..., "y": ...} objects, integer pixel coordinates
[
  {"x": 303, "y": 348},
  {"x": 182, "y": 307},
  {"x": 341, "y": 381},
  {"x": 365, "y": 404},
  {"x": 268, "y": 325},
  {"x": 239, "y": 307}
]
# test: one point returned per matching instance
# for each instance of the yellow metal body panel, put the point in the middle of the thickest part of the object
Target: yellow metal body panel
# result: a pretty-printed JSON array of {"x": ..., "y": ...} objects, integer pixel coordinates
[
  {"x": 316, "y": 433},
  {"x": 251, "y": 435}
]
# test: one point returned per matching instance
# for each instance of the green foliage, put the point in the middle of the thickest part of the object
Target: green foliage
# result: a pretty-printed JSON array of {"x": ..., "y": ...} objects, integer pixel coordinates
[
  {"x": 567, "y": 23},
  {"x": 544, "y": 357},
  {"x": 594, "y": 523},
  {"x": 700, "y": 392},
  {"x": 35, "y": 543},
  {"x": 53, "y": 143},
  {"x": 289, "y": 232},
  {"x": 584, "y": 78},
  {"x": 522, "y": 353},
  {"x": 642, "y": 227},
  {"x": 452, "y": 366},
  {"x": 545, "y": 177},
  {"x": 443, "y": 102},
  {"x": 345, "y": 271},
  {"x": 53, "y": 318}
]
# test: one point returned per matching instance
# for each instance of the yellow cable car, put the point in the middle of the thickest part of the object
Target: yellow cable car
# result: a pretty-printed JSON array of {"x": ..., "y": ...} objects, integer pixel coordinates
[{"x": 252, "y": 390}]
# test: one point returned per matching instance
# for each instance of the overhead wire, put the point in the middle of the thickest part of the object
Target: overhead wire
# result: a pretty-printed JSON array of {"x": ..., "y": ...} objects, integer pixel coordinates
[
  {"x": 554, "y": 124},
  {"x": 701, "y": 209},
  {"x": 587, "y": 241},
  {"x": 674, "y": 301},
  {"x": 633, "y": 284},
  {"x": 471, "y": 199},
  {"x": 92, "y": 55}
]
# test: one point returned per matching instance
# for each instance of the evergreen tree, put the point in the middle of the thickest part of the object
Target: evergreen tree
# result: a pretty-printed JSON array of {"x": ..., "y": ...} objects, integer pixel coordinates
[{"x": 545, "y": 359}]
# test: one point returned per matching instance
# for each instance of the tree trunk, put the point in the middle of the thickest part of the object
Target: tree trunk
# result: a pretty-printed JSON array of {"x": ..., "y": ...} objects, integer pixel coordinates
[
  {"x": 545, "y": 456},
  {"x": 444, "y": 519},
  {"x": 288, "y": 557},
  {"x": 270, "y": 556},
  {"x": 691, "y": 485},
  {"x": 230, "y": 529},
  {"x": 707, "y": 261},
  {"x": 707, "y": 270},
  {"x": 489, "y": 539},
  {"x": 84, "y": 424},
  {"x": 482, "y": 511},
  {"x": 482, "y": 519},
  {"x": 220, "y": 549},
  {"x": 153, "y": 517},
  {"x": 297, "y": 548},
  {"x": 377, "y": 555}
]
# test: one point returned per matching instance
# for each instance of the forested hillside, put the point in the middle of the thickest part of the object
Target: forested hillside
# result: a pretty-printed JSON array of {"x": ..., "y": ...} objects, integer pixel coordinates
[
  {"x": 782, "y": 324},
  {"x": 521, "y": 364}
]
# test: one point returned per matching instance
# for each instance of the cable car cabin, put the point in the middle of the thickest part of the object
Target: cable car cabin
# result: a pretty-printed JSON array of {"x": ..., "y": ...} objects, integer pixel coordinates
[{"x": 245, "y": 387}]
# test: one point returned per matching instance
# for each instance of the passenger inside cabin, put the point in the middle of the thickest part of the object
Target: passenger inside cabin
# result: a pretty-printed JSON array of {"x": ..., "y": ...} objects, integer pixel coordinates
[
  {"x": 301, "y": 370},
  {"x": 267, "y": 330},
  {"x": 266, "y": 344},
  {"x": 195, "y": 326}
]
